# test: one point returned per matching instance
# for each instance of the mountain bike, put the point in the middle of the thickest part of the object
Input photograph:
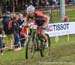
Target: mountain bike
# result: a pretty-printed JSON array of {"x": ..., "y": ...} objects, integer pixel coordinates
[
  {"x": 44, "y": 51},
  {"x": 36, "y": 42}
]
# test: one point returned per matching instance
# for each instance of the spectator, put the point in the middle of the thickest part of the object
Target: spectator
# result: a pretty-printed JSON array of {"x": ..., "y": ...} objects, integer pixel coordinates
[
  {"x": 69, "y": 1},
  {"x": 12, "y": 15},
  {"x": 66, "y": 19},
  {"x": 66, "y": 1},
  {"x": 15, "y": 27},
  {"x": 23, "y": 31},
  {"x": 50, "y": 2},
  {"x": 31, "y": 2},
  {"x": 21, "y": 21},
  {"x": 47, "y": 2},
  {"x": 2, "y": 45},
  {"x": 22, "y": 35},
  {"x": 8, "y": 32},
  {"x": 55, "y": 3},
  {"x": 37, "y": 2},
  {"x": 42, "y": 3}
]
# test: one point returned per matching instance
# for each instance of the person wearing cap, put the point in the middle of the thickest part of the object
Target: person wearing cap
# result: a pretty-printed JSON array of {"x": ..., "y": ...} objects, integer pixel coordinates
[
  {"x": 8, "y": 32},
  {"x": 39, "y": 18}
]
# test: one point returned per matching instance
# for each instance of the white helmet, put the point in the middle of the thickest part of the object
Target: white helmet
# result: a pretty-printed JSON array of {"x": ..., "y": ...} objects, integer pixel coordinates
[{"x": 30, "y": 9}]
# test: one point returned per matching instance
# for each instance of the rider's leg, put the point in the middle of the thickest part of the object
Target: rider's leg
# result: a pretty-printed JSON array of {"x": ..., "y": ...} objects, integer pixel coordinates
[{"x": 45, "y": 37}]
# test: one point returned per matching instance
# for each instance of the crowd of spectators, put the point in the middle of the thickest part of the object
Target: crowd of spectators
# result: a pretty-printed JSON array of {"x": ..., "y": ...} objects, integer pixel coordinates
[
  {"x": 11, "y": 27},
  {"x": 46, "y": 3},
  {"x": 21, "y": 5},
  {"x": 43, "y": 3}
]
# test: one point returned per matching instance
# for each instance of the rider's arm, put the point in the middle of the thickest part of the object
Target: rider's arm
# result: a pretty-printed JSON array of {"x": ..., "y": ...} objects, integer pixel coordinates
[
  {"x": 46, "y": 20},
  {"x": 29, "y": 21}
]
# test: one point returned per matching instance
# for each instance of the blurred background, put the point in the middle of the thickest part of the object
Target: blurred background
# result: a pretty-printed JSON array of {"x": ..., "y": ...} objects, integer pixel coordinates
[{"x": 50, "y": 7}]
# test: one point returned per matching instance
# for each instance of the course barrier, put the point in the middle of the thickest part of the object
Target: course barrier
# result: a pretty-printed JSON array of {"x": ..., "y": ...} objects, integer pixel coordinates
[{"x": 60, "y": 29}]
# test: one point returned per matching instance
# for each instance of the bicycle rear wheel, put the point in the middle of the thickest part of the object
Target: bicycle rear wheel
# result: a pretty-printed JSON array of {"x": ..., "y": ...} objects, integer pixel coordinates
[
  {"x": 47, "y": 49},
  {"x": 44, "y": 51}
]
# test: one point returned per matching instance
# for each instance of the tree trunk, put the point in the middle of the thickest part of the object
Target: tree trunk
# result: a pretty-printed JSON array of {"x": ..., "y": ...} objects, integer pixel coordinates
[
  {"x": 0, "y": 8},
  {"x": 13, "y": 6}
]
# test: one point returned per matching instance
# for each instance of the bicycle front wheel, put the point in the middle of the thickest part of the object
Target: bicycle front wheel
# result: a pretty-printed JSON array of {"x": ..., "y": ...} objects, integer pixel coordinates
[{"x": 30, "y": 49}]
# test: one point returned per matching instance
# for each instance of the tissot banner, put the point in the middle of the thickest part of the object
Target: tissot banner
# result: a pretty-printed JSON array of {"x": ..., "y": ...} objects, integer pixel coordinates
[{"x": 59, "y": 29}]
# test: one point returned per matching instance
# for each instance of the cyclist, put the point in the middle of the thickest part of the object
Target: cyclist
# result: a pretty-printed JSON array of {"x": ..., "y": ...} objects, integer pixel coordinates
[{"x": 38, "y": 18}]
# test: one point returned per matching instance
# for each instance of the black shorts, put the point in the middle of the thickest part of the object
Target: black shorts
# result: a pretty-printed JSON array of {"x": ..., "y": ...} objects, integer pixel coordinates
[{"x": 40, "y": 22}]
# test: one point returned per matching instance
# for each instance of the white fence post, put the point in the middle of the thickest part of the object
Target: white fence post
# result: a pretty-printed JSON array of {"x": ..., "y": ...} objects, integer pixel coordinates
[
  {"x": 57, "y": 39},
  {"x": 68, "y": 37}
]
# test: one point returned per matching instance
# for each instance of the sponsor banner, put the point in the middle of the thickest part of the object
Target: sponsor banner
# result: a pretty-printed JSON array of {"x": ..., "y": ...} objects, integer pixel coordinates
[{"x": 59, "y": 29}]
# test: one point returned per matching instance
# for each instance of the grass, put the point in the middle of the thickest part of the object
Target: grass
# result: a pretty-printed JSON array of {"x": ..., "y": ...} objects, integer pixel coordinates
[
  {"x": 61, "y": 51},
  {"x": 56, "y": 15}
]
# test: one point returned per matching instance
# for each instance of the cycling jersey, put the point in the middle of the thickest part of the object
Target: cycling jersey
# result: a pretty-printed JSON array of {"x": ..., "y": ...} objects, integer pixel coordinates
[{"x": 39, "y": 17}]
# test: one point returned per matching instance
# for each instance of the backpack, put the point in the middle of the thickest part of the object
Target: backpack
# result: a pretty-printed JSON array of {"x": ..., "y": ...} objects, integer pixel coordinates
[
  {"x": 10, "y": 25},
  {"x": 5, "y": 23}
]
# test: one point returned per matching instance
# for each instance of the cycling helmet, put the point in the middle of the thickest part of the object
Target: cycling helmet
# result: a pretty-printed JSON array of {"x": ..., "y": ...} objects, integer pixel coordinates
[{"x": 30, "y": 9}]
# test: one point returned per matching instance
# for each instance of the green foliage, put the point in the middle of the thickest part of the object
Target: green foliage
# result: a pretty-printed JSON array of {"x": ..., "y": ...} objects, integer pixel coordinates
[
  {"x": 56, "y": 15},
  {"x": 5, "y": 0}
]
